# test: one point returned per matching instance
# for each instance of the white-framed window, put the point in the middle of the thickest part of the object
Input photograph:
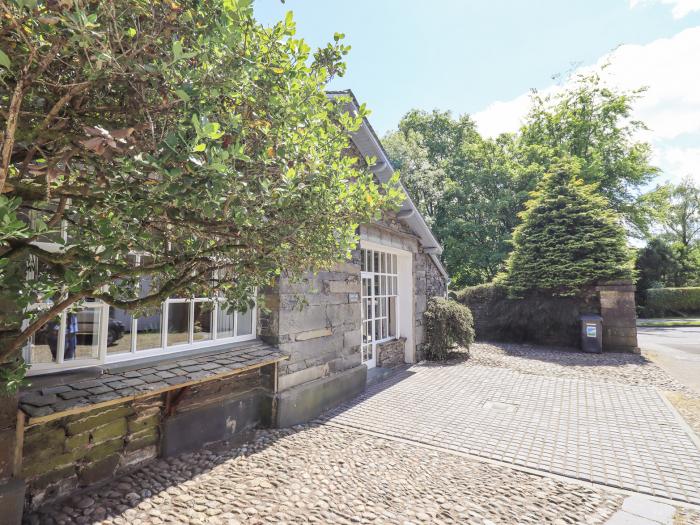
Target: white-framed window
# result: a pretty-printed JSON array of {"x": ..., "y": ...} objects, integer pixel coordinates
[
  {"x": 380, "y": 292},
  {"x": 93, "y": 332}
]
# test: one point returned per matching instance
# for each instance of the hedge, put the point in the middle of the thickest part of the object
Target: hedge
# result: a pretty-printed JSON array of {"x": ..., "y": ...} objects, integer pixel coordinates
[
  {"x": 672, "y": 301},
  {"x": 447, "y": 323}
]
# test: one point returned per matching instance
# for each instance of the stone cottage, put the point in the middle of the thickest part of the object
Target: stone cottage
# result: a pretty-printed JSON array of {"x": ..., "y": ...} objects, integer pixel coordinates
[{"x": 110, "y": 392}]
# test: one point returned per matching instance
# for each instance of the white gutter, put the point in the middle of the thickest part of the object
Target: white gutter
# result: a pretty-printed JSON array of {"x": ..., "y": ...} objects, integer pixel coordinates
[{"x": 364, "y": 137}]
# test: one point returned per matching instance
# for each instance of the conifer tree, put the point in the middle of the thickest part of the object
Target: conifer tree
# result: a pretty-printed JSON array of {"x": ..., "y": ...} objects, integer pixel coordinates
[{"x": 569, "y": 238}]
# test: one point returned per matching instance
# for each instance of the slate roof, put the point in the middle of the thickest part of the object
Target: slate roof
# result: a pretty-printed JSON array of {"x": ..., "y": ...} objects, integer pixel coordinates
[{"x": 119, "y": 385}]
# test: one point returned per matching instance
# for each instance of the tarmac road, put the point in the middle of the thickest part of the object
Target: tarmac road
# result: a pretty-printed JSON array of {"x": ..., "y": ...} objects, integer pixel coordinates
[{"x": 676, "y": 349}]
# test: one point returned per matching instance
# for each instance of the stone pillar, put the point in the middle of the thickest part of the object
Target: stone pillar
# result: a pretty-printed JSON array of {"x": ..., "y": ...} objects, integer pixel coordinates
[
  {"x": 11, "y": 488},
  {"x": 617, "y": 308}
]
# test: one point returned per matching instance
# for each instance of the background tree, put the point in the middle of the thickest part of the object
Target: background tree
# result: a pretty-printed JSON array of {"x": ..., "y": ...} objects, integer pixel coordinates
[
  {"x": 657, "y": 265},
  {"x": 471, "y": 188},
  {"x": 183, "y": 130},
  {"x": 569, "y": 238},
  {"x": 676, "y": 212},
  {"x": 423, "y": 179},
  {"x": 593, "y": 123},
  {"x": 479, "y": 208}
]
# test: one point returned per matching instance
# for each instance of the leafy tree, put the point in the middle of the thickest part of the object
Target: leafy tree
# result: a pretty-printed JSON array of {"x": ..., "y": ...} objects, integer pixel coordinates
[
  {"x": 466, "y": 187},
  {"x": 472, "y": 188},
  {"x": 423, "y": 179},
  {"x": 569, "y": 238},
  {"x": 185, "y": 130},
  {"x": 592, "y": 123},
  {"x": 479, "y": 209},
  {"x": 676, "y": 210},
  {"x": 657, "y": 265}
]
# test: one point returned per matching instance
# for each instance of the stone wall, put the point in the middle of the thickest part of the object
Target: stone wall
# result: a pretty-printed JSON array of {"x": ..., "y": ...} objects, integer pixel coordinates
[
  {"x": 316, "y": 321},
  {"x": 428, "y": 282},
  {"x": 391, "y": 353},
  {"x": 11, "y": 486},
  {"x": 65, "y": 455},
  {"x": 70, "y": 453},
  {"x": 618, "y": 310}
]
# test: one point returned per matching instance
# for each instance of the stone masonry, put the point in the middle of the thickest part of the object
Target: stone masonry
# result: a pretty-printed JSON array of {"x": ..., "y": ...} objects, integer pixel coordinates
[
  {"x": 77, "y": 451},
  {"x": 391, "y": 353},
  {"x": 617, "y": 307}
]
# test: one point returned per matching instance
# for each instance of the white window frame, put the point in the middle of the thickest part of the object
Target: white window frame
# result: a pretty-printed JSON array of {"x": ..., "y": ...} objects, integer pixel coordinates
[
  {"x": 389, "y": 272},
  {"x": 133, "y": 354}
]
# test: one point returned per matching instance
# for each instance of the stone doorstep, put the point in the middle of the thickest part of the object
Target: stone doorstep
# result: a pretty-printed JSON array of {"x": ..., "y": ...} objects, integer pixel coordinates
[
  {"x": 640, "y": 510},
  {"x": 48, "y": 403}
]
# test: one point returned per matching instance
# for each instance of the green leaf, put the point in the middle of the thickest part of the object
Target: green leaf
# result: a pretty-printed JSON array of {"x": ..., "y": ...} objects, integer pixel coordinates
[
  {"x": 182, "y": 95},
  {"x": 4, "y": 60},
  {"x": 177, "y": 50},
  {"x": 199, "y": 147}
]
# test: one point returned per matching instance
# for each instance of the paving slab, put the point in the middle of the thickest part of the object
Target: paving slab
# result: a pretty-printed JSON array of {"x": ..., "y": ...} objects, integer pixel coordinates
[{"x": 620, "y": 435}]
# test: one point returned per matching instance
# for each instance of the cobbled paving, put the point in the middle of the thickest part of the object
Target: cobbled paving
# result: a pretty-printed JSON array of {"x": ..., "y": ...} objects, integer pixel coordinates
[
  {"x": 338, "y": 474},
  {"x": 322, "y": 474},
  {"x": 619, "y": 435}
]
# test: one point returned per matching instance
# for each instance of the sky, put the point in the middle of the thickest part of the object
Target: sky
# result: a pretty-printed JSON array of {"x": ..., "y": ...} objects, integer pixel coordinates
[{"x": 482, "y": 57}]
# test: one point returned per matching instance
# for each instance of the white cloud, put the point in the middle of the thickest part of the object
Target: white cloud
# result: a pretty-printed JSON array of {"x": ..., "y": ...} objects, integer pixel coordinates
[
  {"x": 668, "y": 67},
  {"x": 680, "y": 8},
  {"x": 678, "y": 163}
]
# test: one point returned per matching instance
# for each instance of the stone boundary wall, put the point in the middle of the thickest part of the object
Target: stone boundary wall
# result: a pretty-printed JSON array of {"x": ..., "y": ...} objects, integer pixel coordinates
[{"x": 554, "y": 320}]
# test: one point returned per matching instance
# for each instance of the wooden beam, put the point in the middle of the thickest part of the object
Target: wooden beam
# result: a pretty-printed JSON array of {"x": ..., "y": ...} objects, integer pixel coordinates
[{"x": 19, "y": 443}]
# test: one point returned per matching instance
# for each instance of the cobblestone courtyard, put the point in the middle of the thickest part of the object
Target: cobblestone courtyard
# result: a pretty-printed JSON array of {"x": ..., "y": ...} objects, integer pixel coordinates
[
  {"x": 326, "y": 473},
  {"x": 624, "y": 436}
]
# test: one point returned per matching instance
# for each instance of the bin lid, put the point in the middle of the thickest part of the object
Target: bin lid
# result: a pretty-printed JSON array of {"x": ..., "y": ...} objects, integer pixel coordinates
[{"x": 590, "y": 317}]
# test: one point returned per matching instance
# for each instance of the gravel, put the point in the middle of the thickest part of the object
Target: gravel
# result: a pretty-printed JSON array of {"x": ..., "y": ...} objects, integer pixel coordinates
[{"x": 626, "y": 368}]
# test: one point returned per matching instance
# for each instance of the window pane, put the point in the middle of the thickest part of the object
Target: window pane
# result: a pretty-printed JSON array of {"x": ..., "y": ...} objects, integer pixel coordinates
[
  {"x": 148, "y": 332},
  {"x": 375, "y": 267},
  {"x": 363, "y": 255},
  {"x": 202, "y": 321},
  {"x": 244, "y": 322},
  {"x": 178, "y": 323},
  {"x": 224, "y": 324},
  {"x": 393, "y": 264},
  {"x": 83, "y": 334},
  {"x": 45, "y": 344},
  {"x": 376, "y": 285},
  {"x": 118, "y": 331},
  {"x": 392, "y": 316}
]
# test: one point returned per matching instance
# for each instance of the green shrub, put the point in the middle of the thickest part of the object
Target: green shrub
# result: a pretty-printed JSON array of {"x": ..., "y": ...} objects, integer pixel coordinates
[
  {"x": 447, "y": 323},
  {"x": 568, "y": 240},
  {"x": 672, "y": 301}
]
